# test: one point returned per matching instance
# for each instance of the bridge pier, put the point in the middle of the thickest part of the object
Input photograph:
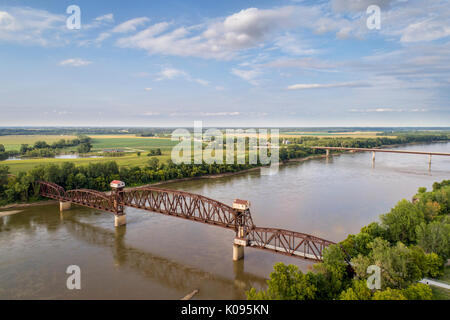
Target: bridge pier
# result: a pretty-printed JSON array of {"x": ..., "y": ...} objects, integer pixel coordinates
[
  {"x": 429, "y": 163},
  {"x": 63, "y": 206},
  {"x": 120, "y": 220},
  {"x": 238, "y": 252},
  {"x": 328, "y": 153}
]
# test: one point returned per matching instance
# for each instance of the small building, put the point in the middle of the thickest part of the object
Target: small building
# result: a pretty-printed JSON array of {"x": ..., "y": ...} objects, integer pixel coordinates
[
  {"x": 116, "y": 184},
  {"x": 112, "y": 150},
  {"x": 239, "y": 204}
]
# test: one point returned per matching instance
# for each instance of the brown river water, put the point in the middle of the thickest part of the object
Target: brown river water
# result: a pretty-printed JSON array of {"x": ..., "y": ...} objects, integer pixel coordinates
[{"x": 161, "y": 257}]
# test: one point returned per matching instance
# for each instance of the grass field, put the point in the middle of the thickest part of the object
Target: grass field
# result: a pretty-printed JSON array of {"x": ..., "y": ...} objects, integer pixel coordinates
[
  {"x": 130, "y": 143},
  {"x": 356, "y": 134},
  {"x": 14, "y": 142},
  {"x": 128, "y": 160}
]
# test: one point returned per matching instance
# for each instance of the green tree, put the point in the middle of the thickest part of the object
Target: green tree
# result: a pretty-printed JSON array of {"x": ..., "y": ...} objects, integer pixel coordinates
[
  {"x": 286, "y": 283},
  {"x": 153, "y": 163},
  {"x": 2, "y": 148},
  {"x": 397, "y": 263},
  {"x": 358, "y": 291},
  {"x": 435, "y": 237},
  {"x": 401, "y": 222},
  {"x": 389, "y": 294},
  {"x": 84, "y": 148},
  {"x": 418, "y": 291}
]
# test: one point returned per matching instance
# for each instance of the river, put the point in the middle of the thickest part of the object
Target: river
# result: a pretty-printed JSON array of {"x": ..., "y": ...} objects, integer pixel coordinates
[{"x": 160, "y": 257}]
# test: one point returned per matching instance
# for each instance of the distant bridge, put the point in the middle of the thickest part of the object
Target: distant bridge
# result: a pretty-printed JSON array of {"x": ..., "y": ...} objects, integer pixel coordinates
[
  {"x": 374, "y": 150},
  {"x": 192, "y": 207}
]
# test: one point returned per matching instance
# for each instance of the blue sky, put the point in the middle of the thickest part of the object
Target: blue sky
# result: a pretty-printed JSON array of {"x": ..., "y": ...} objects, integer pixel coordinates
[{"x": 227, "y": 63}]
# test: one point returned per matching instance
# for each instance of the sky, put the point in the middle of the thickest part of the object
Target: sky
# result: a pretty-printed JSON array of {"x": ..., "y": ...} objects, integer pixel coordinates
[{"x": 226, "y": 63}]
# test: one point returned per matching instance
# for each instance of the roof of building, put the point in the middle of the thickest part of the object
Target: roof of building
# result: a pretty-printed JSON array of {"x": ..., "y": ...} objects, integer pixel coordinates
[{"x": 239, "y": 201}]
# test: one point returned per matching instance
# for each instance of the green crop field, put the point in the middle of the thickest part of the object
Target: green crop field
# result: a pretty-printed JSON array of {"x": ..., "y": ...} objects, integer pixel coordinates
[
  {"x": 14, "y": 142},
  {"x": 129, "y": 160},
  {"x": 135, "y": 143},
  {"x": 130, "y": 143}
]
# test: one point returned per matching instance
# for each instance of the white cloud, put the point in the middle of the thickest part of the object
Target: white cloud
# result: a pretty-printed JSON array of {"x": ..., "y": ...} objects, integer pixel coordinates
[
  {"x": 75, "y": 62},
  {"x": 249, "y": 75},
  {"x": 148, "y": 89},
  {"x": 304, "y": 86},
  {"x": 384, "y": 110},
  {"x": 130, "y": 25},
  {"x": 106, "y": 18},
  {"x": 223, "y": 38},
  {"x": 358, "y": 5},
  {"x": 170, "y": 73},
  {"x": 217, "y": 114},
  {"x": 426, "y": 30},
  {"x": 151, "y": 114},
  {"x": 32, "y": 26}
]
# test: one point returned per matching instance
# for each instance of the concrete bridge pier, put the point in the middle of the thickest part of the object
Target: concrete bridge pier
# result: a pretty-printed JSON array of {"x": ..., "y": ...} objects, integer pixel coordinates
[
  {"x": 328, "y": 153},
  {"x": 63, "y": 206},
  {"x": 373, "y": 159},
  {"x": 120, "y": 220},
  {"x": 238, "y": 252},
  {"x": 429, "y": 163}
]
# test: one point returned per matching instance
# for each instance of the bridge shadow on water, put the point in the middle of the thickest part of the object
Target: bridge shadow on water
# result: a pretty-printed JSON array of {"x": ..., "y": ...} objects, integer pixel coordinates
[{"x": 166, "y": 272}]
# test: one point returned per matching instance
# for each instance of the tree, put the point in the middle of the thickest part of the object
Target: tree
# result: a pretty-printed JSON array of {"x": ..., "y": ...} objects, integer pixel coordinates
[
  {"x": 84, "y": 148},
  {"x": 153, "y": 163},
  {"x": 418, "y": 291},
  {"x": 358, "y": 291},
  {"x": 4, "y": 171},
  {"x": 398, "y": 264},
  {"x": 389, "y": 294},
  {"x": 2, "y": 148},
  {"x": 41, "y": 145},
  {"x": 24, "y": 148},
  {"x": 286, "y": 283},
  {"x": 401, "y": 222},
  {"x": 435, "y": 237}
]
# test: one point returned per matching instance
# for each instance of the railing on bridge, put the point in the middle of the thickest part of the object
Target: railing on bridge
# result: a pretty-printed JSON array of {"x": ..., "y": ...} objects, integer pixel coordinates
[{"x": 196, "y": 208}]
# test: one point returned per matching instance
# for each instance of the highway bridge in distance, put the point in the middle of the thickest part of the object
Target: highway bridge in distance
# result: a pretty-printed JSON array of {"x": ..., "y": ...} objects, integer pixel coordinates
[{"x": 374, "y": 150}]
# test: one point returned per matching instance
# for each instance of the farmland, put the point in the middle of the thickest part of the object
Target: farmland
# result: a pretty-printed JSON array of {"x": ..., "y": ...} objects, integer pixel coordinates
[{"x": 130, "y": 144}]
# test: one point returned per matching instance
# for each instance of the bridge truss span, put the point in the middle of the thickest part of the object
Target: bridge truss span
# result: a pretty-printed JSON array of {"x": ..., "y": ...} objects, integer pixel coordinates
[
  {"x": 185, "y": 205},
  {"x": 287, "y": 242},
  {"x": 196, "y": 208},
  {"x": 92, "y": 199}
]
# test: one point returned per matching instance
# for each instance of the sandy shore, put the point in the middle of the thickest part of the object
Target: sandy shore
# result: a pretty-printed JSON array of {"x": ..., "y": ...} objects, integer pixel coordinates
[
  {"x": 26, "y": 205},
  {"x": 9, "y": 213}
]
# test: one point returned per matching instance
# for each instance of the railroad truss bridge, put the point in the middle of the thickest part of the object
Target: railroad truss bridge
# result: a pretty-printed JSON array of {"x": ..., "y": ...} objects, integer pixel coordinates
[{"x": 193, "y": 207}]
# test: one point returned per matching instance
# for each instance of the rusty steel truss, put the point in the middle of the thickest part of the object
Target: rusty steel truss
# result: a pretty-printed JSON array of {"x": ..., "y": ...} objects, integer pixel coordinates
[{"x": 196, "y": 208}]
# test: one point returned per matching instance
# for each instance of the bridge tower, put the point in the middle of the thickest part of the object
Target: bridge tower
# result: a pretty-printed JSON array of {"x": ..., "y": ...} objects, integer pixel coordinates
[
  {"x": 242, "y": 208},
  {"x": 120, "y": 217}
]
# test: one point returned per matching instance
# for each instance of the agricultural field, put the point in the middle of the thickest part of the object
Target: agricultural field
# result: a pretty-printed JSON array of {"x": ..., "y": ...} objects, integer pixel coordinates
[
  {"x": 355, "y": 134},
  {"x": 129, "y": 143},
  {"x": 14, "y": 142}
]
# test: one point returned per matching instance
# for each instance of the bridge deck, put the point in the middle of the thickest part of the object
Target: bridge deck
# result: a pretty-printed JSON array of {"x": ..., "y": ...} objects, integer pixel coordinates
[{"x": 383, "y": 150}]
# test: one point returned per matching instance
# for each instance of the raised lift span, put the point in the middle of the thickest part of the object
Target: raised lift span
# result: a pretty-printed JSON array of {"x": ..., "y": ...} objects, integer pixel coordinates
[{"x": 193, "y": 207}]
